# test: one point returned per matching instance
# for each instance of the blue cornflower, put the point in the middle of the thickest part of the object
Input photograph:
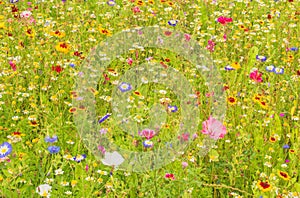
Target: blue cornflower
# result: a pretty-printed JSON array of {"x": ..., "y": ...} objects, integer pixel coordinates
[
  {"x": 5, "y": 149},
  {"x": 125, "y": 87},
  {"x": 286, "y": 146},
  {"x": 294, "y": 49},
  {"x": 104, "y": 118},
  {"x": 51, "y": 139},
  {"x": 53, "y": 149},
  {"x": 72, "y": 65}
]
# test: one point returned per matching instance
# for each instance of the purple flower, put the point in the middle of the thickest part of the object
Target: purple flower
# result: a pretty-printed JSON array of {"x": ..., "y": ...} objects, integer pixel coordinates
[
  {"x": 148, "y": 144},
  {"x": 125, "y": 87},
  {"x": 104, "y": 118},
  {"x": 79, "y": 158},
  {"x": 281, "y": 114},
  {"x": 53, "y": 149},
  {"x": 261, "y": 58},
  {"x": 111, "y": 3},
  {"x": 172, "y": 22},
  {"x": 172, "y": 108},
  {"x": 5, "y": 149},
  {"x": 286, "y": 146}
]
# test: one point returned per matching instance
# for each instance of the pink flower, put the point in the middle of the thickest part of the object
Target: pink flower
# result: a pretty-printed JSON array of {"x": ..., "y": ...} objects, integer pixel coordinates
[
  {"x": 129, "y": 61},
  {"x": 184, "y": 164},
  {"x": 224, "y": 20},
  {"x": 225, "y": 37},
  {"x": 185, "y": 137},
  {"x": 187, "y": 37},
  {"x": 136, "y": 9},
  {"x": 169, "y": 176},
  {"x": 214, "y": 128},
  {"x": 256, "y": 76},
  {"x": 147, "y": 133}
]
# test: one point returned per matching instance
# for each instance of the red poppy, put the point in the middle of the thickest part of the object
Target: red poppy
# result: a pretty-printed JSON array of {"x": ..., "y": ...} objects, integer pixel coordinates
[{"x": 57, "y": 68}]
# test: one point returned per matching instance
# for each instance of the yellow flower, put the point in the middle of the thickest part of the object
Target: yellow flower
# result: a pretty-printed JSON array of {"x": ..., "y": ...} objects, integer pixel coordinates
[
  {"x": 63, "y": 47},
  {"x": 2, "y": 25},
  {"x": 58, "y": 34},
  {"x": 285, "y": 176},
  {"x": 73, "y": 183},
  {"x": 236, "y": 65},
  {"x": 30, "y": 33}
]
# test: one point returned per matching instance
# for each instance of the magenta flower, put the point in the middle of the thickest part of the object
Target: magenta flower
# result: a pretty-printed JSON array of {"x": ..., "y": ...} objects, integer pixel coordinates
[
  {"x": 214, "y": 128},
  {"x": 13, "y": 65},
  {"x": 224, "y": 20},
  {"x": 211, "y": 46},
  {"x": 256, "y": 76}
]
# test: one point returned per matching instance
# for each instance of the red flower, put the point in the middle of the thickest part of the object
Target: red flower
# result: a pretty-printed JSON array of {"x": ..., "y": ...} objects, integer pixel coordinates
[
  {"x": 256, "y": 76},
  {"x": 57, "y": 68}
]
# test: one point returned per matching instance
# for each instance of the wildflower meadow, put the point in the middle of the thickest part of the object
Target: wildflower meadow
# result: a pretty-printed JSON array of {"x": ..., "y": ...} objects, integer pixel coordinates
[{"x": 149, "y": 98}]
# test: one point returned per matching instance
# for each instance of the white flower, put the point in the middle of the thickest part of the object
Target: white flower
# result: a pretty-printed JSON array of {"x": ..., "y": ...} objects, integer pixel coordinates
[
  {"x": 59, "y": 172},
  {"x": 112, "y": 159},
  {"x": 68, "y": 193},
  {"x": 44, "y": 190}
]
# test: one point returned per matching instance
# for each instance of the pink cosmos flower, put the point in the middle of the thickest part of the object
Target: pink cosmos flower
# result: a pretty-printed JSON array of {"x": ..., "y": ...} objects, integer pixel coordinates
[
  {"x": 147, "y": 133},
  {"x": 214, "y": 128},
  {"x": 254, "y": 75},
  {"x": 224, "y": 20}
]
